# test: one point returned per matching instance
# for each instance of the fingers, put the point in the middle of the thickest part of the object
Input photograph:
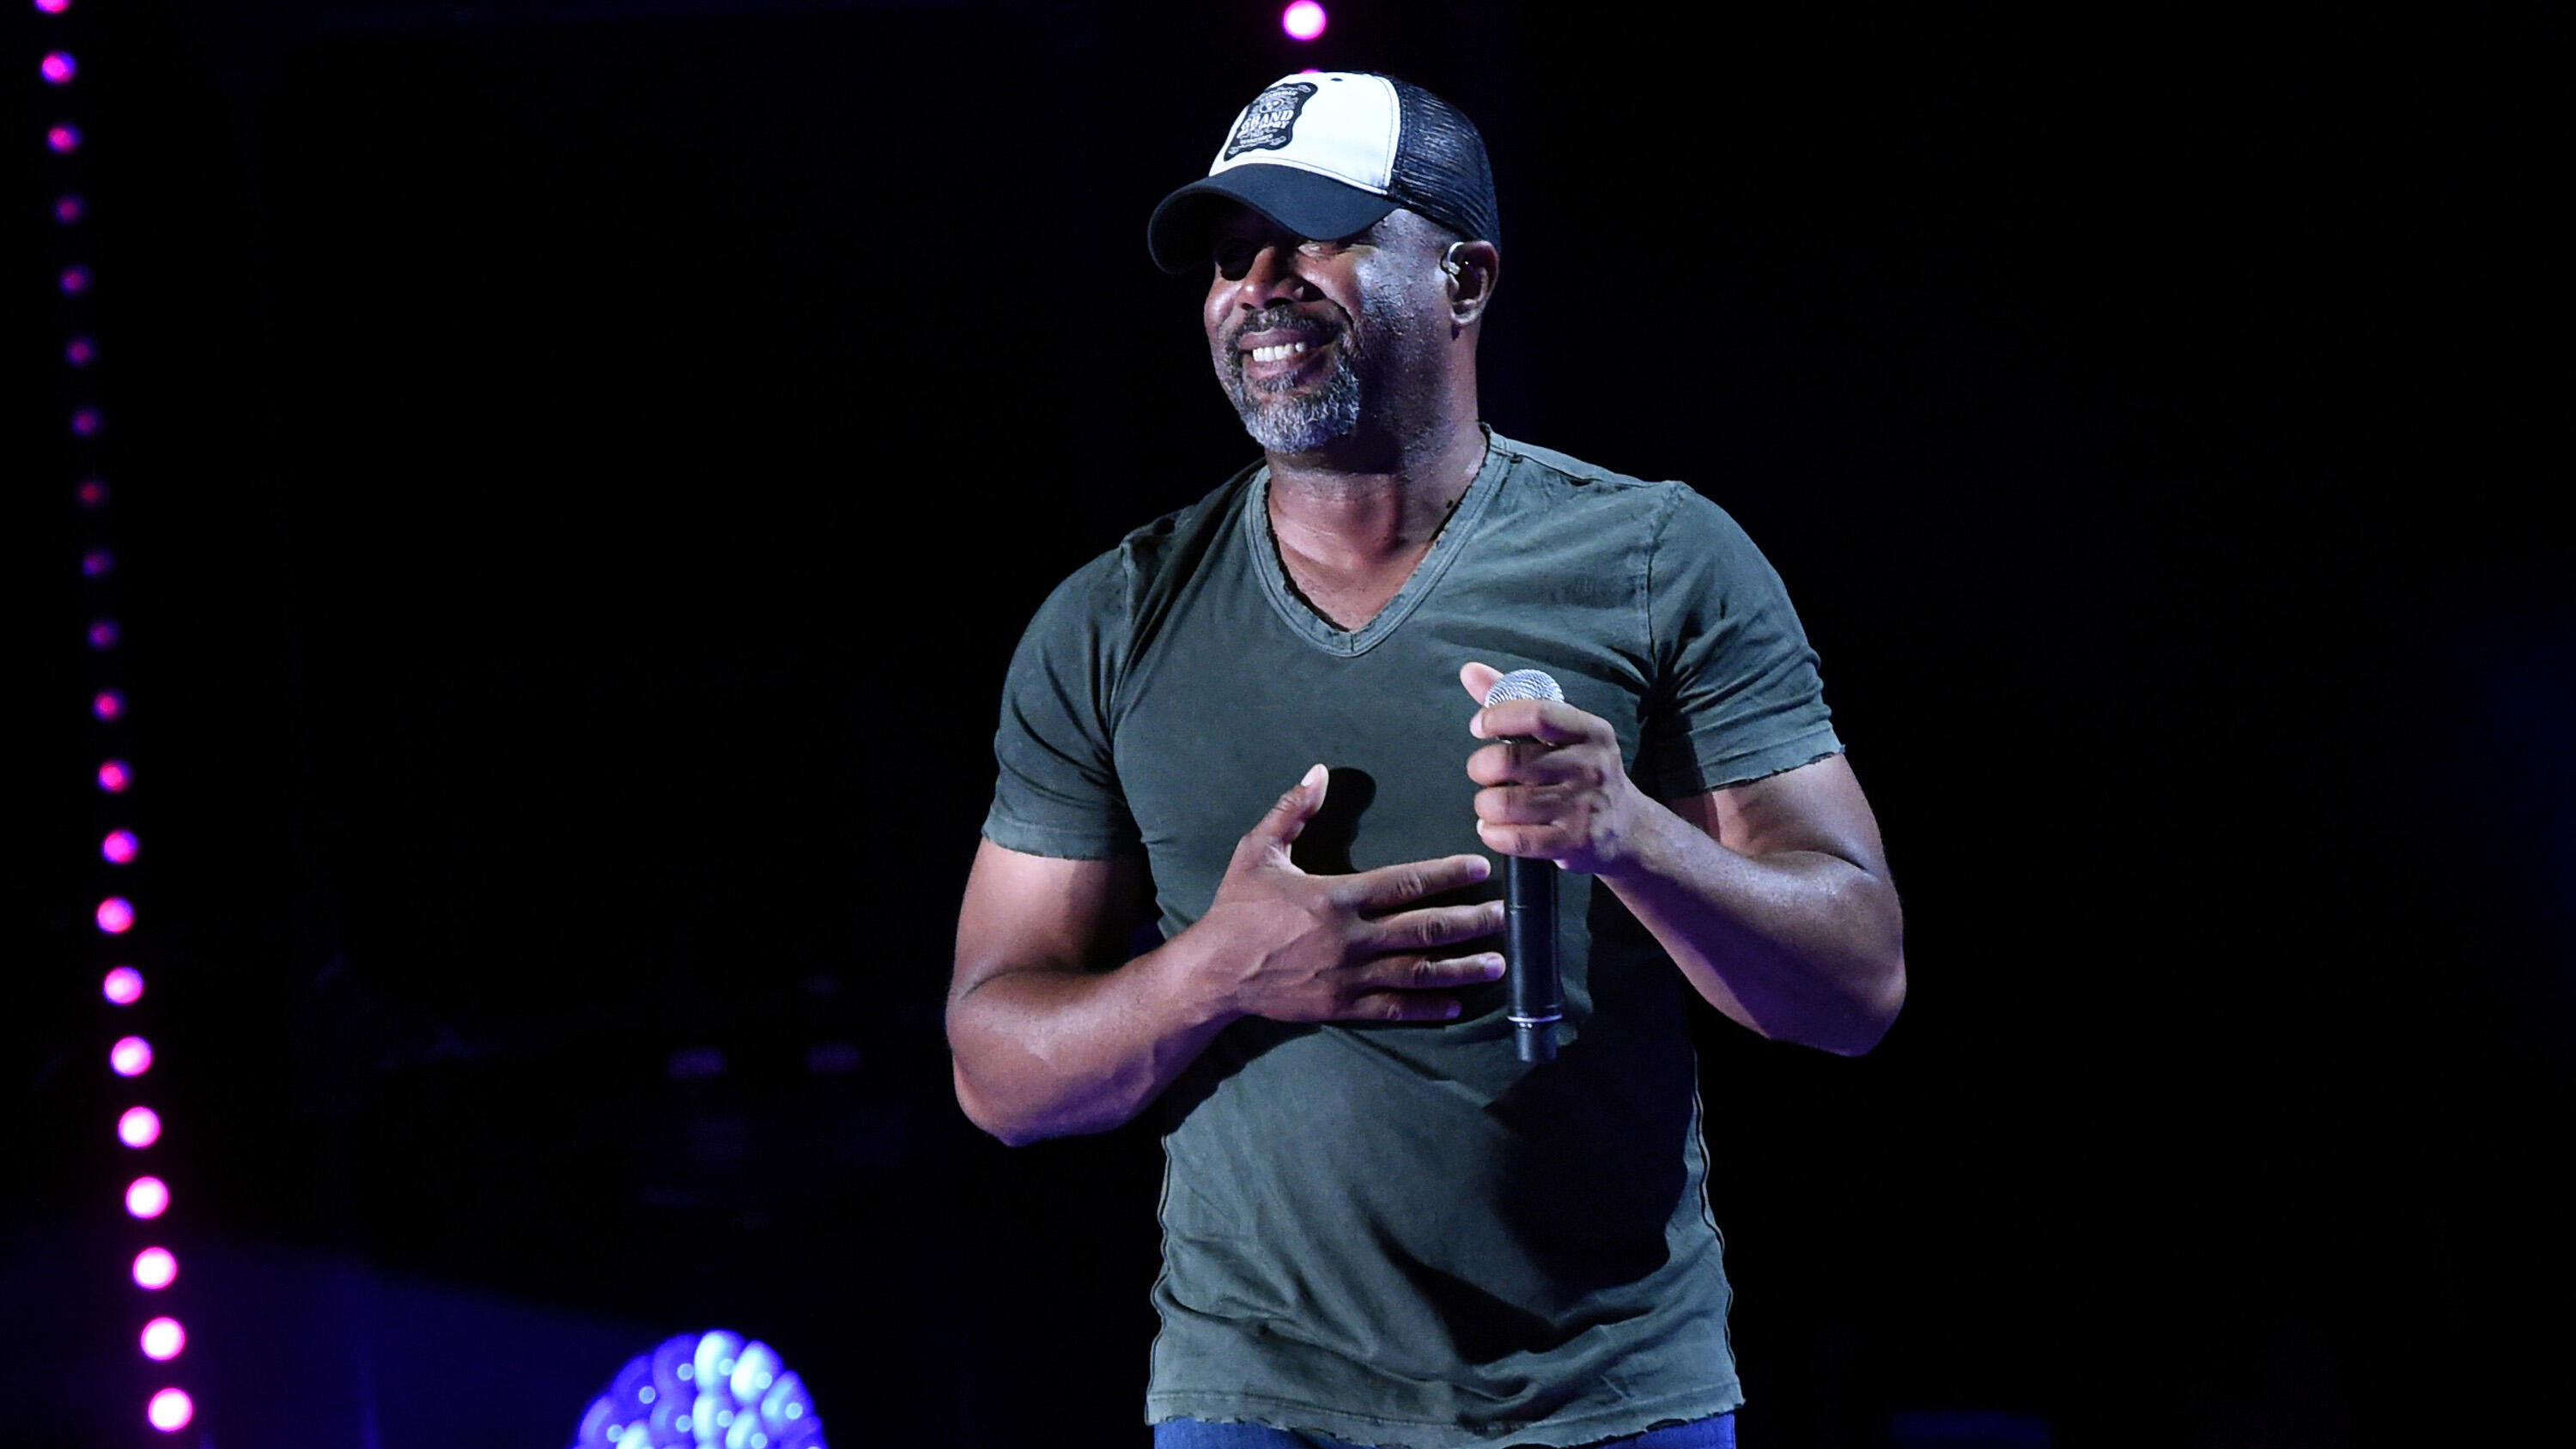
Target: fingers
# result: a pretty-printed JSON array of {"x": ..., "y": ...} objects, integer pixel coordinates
[
  {"x": 1389, "y": 886},
  {"x": 1407, "y": 988},
  {"x": 1520, "y": 762},
  {"x": 1432, "y": 926},
  {"x": 1549, "y": 721}
]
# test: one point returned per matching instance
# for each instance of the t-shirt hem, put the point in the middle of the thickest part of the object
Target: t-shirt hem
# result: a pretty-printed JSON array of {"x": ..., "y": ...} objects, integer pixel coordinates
[
  {"x": 1629, "y": 1416},
  {"x": 1804, "y": 749},
  {"x": 1050, "y": 841}
]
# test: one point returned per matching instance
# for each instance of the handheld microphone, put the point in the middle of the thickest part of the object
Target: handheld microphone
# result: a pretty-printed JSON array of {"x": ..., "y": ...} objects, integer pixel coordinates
[{"x": 1533, "y": 996}]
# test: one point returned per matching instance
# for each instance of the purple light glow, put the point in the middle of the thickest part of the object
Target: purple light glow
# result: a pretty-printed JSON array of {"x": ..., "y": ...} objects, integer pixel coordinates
[
  {"x": 91, "y": 493},
  {"x": 87, "y": 421},
  {"x": 123, "y": 986},
  {"x": 76, "y": 280},
  {"x": 147, "y": 1197},
  {"x": 69, "y": 208},
  {"x": 97, "y": 563},
  {"x": 139, "y": 1127},
  {"x": 102, "y": 634},
  {"x": 62, "y": 140},
  {"x": 53, "y": 7},
  {"x": 130, "y": 1057},
  {"x": 59, "y": 67},
  {"x": 170, "y": 1410},
  {"x": 116, "y": 915},
  {"x": 1303, "y": 20},
  {"x": 113, "y": 777},
  {"x": 162, "y": 1339},
  {"x": 108, "y": 705},
  {"x": 118, "y": 847},
  {"x": 155, "y": 1269},
  {"x": 80, "y": 352}
]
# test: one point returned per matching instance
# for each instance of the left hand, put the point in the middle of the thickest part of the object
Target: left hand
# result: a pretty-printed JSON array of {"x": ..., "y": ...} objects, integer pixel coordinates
[{"x": 1555, "y": 787}]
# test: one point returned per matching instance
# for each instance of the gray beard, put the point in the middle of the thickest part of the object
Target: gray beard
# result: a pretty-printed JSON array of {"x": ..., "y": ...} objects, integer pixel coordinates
[{"x": 1295, "y": 422}]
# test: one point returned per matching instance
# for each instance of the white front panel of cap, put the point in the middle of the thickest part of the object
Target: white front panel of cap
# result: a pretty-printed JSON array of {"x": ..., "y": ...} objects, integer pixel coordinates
[{"x": 1341, "y": 126}]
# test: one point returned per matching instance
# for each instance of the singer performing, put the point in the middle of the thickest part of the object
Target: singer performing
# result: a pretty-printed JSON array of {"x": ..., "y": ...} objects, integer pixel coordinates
[{"x": 1381, "y": 1225}]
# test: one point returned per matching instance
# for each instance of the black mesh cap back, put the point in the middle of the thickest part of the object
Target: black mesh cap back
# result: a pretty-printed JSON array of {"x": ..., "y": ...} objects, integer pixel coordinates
[{"x": 1440, "y": 167}]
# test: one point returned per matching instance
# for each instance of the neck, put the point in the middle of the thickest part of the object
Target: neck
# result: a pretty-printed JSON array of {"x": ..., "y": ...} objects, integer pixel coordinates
[{"x": 1365, "y": 500}]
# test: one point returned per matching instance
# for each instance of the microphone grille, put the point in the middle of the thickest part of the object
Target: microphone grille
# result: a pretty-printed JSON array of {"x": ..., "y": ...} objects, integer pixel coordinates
[{"x": 1524, "y": 684}]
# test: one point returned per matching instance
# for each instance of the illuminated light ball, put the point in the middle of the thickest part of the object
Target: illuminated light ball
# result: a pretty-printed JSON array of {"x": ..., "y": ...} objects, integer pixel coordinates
[
  {"x": 162, "y": 1339},
  {"x": 124, "y": 986},
  {"x": 97, "y": 563},
  {"x": 69, "y": 208},
  {"x": 147, "y": 1197},
  {"x": 62, "y": 140},
  {"x": 170, "y": 1410},
  {"x": 80, "y": 352},
  {"x": 114, "y": 776},
  {"x": 130, "y": 1057},
  {"x": 1303, "y": 20},
  {"x": 155, "y": 1269},
  {"x": 91, "y": 493},
  {"x": 118, "y": 847},
  {"x": 76, "y": 280},
  {"x": 116, "y": 915},
  {"x": 108, "y": 705},
  {"x": 53, "y": 7},
  {"x": 103, "y": 634},
  {"x": 87, "y": 421},
  {"x": 59, "y": 67},
  {"x": 139, "y": 1127}
]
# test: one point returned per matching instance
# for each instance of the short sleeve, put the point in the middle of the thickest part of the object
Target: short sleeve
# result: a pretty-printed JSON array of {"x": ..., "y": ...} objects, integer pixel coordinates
[
  {"x": 1736, "y": 695},
  {"x": 1057, "y": 792}
]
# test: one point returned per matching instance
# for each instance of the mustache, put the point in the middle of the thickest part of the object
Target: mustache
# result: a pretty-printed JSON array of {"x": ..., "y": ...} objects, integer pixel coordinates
[{"x": 1281, "y": 317}]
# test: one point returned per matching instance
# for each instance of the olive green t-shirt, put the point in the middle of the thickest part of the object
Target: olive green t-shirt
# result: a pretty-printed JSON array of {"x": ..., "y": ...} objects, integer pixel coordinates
[{"x": 1403, "y": 1235}]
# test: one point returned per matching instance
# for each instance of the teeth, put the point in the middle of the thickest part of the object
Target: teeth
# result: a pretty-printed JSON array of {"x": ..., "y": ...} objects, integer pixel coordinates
[{"x": 1279, "y": 353}]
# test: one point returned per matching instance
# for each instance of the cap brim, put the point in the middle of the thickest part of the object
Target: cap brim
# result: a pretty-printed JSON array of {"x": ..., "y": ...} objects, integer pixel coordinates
[{"x": 1292, "y": 199}]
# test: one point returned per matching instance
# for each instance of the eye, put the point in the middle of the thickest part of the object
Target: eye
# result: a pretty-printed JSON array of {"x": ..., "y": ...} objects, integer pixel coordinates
[{"x": 1234, "y": 257}]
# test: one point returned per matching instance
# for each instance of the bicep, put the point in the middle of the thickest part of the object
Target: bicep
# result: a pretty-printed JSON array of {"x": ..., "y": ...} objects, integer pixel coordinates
[
  {"x": 1037, "y": 912},
  {"x": 1817, "y": 807}
]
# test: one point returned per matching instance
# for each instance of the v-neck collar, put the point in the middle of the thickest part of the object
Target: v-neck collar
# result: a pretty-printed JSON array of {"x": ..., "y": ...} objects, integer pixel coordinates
[{"x": 1323, "y": 633}]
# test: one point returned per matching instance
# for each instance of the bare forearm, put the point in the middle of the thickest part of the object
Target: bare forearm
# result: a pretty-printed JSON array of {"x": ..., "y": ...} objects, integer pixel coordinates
[
  {"x": 1799, "y": 945},
  {"x": 1050, "y": 1053}
]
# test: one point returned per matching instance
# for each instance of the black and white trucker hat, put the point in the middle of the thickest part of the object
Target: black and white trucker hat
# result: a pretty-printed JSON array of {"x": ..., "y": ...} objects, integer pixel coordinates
[{"x": 1327, "y": 153}]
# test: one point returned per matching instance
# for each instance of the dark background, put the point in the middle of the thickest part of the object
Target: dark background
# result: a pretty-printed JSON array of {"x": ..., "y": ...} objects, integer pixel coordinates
[{"x": 580, "y": 470}]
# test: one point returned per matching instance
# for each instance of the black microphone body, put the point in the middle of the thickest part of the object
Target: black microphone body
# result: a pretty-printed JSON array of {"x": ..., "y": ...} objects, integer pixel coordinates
[{"x": 1534, "y": 996}]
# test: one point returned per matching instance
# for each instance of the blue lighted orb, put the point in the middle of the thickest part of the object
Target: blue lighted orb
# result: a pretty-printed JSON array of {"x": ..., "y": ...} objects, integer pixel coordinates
[{"x": 702, "y": 1391}]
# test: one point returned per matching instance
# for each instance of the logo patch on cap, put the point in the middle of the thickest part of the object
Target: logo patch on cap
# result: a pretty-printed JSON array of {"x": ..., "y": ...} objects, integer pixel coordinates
[{"x": 1268, "y": 123}]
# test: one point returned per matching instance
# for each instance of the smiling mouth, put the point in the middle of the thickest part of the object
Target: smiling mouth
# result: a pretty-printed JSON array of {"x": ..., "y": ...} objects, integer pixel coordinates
[{"x": 1278, "y": 352}]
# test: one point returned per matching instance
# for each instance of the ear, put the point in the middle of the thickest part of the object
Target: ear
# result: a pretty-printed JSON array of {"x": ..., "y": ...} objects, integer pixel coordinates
[{"x": 1472, "y": 268}]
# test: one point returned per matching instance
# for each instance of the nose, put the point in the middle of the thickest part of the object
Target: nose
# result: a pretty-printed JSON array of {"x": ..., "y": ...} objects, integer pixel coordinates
[{"x": 1272, "y": 275}]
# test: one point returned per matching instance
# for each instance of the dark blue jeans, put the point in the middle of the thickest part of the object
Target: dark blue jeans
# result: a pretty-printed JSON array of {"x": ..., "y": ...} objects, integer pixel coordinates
[{"x": 1716, "y": 1433}]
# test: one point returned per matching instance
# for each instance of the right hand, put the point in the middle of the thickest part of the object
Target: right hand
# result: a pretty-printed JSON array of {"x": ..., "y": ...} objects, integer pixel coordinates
[{"x": 1302, "y": 947}]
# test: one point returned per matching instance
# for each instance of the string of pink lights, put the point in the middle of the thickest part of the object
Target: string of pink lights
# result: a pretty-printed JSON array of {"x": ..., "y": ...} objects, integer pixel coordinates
[{"x": 167, "y": 1406}]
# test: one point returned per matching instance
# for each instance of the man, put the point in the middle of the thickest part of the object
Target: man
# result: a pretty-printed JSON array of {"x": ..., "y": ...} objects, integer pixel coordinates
[{"x": 1380, "y": 1226}]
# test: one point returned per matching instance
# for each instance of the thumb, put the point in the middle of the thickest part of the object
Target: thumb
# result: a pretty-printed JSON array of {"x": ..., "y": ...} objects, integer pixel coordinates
[
  {"x": 1286, "y": 819},
  {"x": 1480, "y": 679}
]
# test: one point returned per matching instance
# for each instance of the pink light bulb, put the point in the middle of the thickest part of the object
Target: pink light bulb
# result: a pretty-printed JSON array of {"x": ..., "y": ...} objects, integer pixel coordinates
[
  {"x": 130, "y": 1057},
  {"x": 87, "y": 421},
  {"x": 53, "y": 7},
  {"x": 124, "y": 986},
  {"x": 118, "y": 847},
  {"x": 139, "y": 1127},
  {"x": 114, "y": 776},
  {"x": 162, "y": 1339},
  {"x": 80, "y": 351},
  {"x": 69, "y": 208},
  {"x": 170, "y": 1410},
  {"x": 155, "y": 1269},
  {"x": 58, "y": 67},
  {"x": 62, "y": 140},
  {"x": 1303, "y": 20},
  {"x": 147, "y": 1197},
  {"x": 116, "y": 915}
]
